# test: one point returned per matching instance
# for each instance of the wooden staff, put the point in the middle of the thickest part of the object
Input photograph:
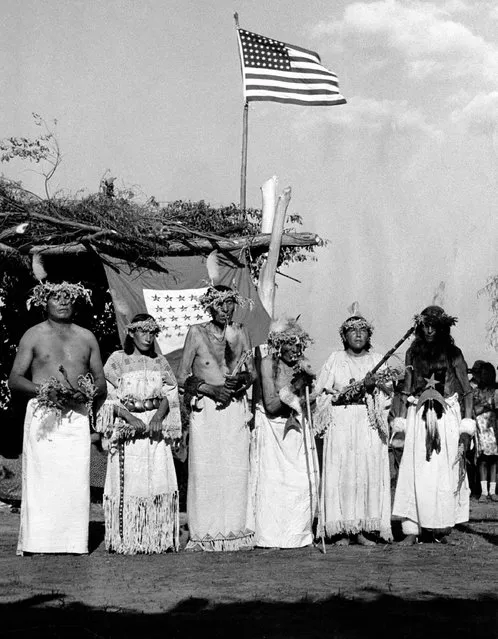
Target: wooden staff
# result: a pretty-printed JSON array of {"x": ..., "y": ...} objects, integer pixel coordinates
[
  {"x": 393, "y": 349},
  {"x": 315, "y": 461}
]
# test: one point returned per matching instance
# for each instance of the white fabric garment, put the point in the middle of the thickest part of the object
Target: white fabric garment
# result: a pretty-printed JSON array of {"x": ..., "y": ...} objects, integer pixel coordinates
[
  {"x": 425, "y": 492},
  {"x": 284, "y": 483},
  {"x": 356, "y": 493},
  {"x": 218, "y": 472},
  {"x": 150, "y": 499},
  {"x": 55, "y": 506}
]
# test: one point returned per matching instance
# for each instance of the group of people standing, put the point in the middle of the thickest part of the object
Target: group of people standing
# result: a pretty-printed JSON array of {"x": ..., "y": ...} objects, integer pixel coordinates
[{"x": 255, "y": 478}]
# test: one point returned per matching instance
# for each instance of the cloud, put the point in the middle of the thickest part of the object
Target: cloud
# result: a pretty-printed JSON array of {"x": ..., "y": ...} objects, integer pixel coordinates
[
  {"x": 373, "y": 116},
  {"x": 424, "y": 35},
  {"x": 480, "y": 115}
]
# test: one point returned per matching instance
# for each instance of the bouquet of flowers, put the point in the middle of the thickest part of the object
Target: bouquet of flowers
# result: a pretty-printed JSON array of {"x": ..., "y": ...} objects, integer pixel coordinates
[
  {"x": 55, "y": 394},
  {"x": 355, "y": 391}
]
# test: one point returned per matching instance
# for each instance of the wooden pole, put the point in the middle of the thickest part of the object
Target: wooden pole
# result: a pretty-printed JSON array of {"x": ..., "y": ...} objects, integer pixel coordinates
[
  {"x": 392, "y": 350},
  {"x": 315, "y": 461},
  {"x": 243, "y": 163},
  {"x": 245, "y": 124}
]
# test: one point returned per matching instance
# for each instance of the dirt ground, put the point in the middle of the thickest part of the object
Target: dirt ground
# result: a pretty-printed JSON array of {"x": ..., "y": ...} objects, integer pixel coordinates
[{"x": 425, "y": 591}]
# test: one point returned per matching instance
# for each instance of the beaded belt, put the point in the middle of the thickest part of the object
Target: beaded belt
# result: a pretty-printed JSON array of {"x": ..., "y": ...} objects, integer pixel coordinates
[{"x": 141, "y": 405}]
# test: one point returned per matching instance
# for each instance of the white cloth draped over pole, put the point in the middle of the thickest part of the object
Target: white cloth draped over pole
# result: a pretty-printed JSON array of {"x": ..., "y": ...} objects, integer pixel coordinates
[{"x": 266, "y": 285}]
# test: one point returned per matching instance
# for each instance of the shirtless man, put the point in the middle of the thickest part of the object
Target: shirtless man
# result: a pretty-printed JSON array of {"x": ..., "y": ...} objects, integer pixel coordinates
[
  {"x": 56, "y": 451},
  {"x": 215, "y": 388}
]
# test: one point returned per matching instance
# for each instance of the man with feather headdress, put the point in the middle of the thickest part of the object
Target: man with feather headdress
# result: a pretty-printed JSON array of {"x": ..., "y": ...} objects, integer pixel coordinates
[
  {"x": 51, "y": 368},
  {"x": 215, "y": 373},
  {"x": 432, "y": 490}
]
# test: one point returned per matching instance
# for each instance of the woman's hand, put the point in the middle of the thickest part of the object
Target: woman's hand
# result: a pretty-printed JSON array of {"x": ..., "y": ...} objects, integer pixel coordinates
[
  {"x": 333, "y": 394},
  {"x": 136, "y": 423},
  {"x": 369, "y": 382},
  {"x": 156, "y": 423}
]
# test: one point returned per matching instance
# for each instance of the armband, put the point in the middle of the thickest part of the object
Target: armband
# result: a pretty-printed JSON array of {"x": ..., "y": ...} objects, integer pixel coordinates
[{"x": 192, "y": 385}]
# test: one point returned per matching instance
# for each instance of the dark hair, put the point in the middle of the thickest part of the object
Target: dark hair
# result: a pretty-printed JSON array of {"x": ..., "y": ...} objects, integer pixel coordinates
[
  {"x": 129, "y": 345},
  {"x": 431, "y": 357},
  {"x": 487, "y": 375}
]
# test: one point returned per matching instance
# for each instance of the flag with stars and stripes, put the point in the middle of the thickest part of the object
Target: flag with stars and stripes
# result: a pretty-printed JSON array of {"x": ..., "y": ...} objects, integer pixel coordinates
[
  {"x": 280, "y": 72},
  {"x": 172, "y": 298}
]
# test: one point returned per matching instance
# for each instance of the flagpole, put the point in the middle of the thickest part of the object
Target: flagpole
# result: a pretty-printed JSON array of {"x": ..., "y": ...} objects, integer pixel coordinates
[
  {"x": 245, "y": 123},
  {"x": 243, "y": 163}
]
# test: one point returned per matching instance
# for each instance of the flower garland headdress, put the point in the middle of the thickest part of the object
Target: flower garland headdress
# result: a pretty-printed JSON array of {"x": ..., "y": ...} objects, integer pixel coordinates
[
  {"x": 42, "y": 292},
  {"x": 435, "y": 316},
  {"x": 213, "y": 298},
  {"x": 287, "y": 331},
  {"x": 149, "y": 325}
]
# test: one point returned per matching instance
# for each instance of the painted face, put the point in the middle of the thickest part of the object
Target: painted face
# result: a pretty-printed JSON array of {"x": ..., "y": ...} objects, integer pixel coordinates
[
  {"x": 60, "y": 306},
  {"x": 222, "y": 313},
  {"x": 291, "y": 352},
  {"x": 429, "y": 331},
  {"x": 357, "y": 339},
  {"x": 142, "y": 339}
]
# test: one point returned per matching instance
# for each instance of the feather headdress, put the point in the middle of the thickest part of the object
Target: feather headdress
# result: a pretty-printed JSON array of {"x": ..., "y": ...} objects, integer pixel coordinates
[{"x": 356, "y": 320}]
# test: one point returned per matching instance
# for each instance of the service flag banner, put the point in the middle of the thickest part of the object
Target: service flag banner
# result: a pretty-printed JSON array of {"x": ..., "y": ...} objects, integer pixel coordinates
[
  {"x": 280, "y": 72},
  {"x": 171, "y": 297}
]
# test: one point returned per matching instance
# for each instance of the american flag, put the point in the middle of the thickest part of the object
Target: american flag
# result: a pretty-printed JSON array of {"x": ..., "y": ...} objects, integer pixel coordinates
[{"x": 280, "y": 72}]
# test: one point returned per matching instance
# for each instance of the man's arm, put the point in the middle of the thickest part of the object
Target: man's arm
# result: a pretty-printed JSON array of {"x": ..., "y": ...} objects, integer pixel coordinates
[
  {"x": 461, "y": 373},
  {"x": 18, "y": 382},
  {"x": 188, "y": 355},
  {"x": 406, "y": 387},
  {"x": 97, "y": 371},
  {"x": 271, "y": 399},
  {"x": 243, "y": 379},
  {"x": 217, "y": 393}
]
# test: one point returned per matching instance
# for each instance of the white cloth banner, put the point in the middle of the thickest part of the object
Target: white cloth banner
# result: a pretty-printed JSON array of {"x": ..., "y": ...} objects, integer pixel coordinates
[{"x": 175, "y": 311}]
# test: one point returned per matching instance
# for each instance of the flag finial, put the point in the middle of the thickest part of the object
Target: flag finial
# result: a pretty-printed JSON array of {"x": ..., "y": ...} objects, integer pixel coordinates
[{"x": 236, "y": 18}]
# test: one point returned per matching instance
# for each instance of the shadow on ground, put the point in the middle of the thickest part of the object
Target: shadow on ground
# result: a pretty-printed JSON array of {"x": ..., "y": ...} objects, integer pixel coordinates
[{"x": 337, "y": 617}]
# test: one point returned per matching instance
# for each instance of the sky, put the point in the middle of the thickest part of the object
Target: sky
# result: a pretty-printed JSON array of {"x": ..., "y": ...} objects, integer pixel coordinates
[{"x": 402, "y": 180}]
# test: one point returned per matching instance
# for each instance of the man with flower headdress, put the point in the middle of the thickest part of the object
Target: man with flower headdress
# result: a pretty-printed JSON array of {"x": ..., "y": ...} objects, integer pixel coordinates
[
  {"x": 350, "y": 409},
  {"x": 432, "y": 492},
  {"x": 58, "y": 367},
  {"x": 215, "y": 373},
  {"x": 284, "y": 468}
]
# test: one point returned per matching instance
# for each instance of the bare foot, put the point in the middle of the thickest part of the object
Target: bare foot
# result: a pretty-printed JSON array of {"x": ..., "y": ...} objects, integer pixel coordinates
[
  {"x": 343, "y": 541},
  {"x": 363, "y": 541},
  {"x": 409, "y": 540}
]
